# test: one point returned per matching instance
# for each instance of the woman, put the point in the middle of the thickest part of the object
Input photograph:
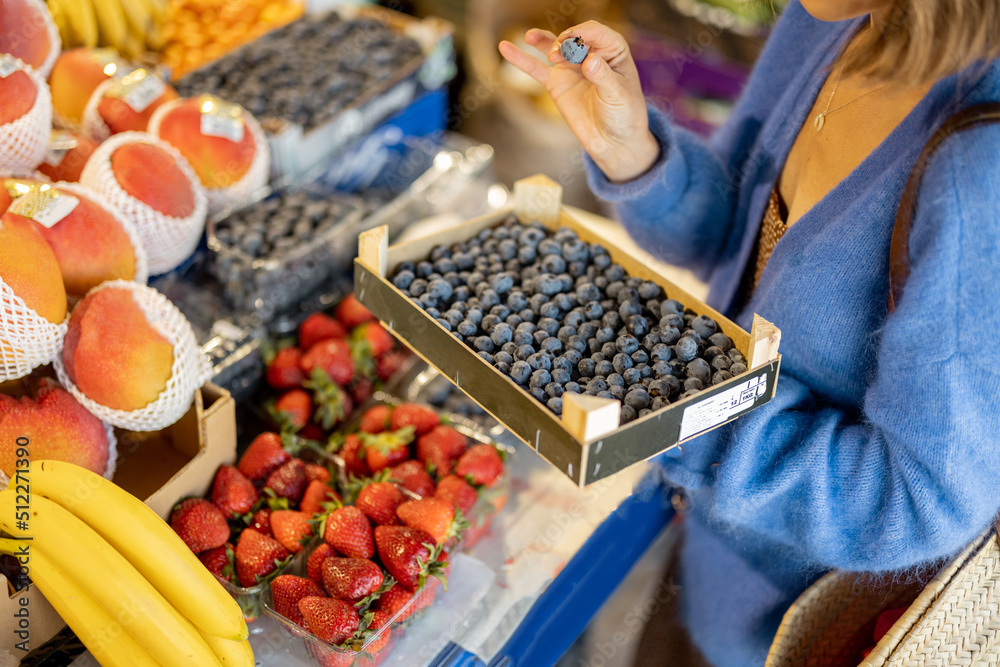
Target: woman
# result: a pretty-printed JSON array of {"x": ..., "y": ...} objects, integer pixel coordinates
[{"x": 880, "y": 450}]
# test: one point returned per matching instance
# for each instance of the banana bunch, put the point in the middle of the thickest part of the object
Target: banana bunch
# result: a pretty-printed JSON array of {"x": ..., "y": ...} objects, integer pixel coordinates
[
  {"x": 130, "y": 26},
  {"x": 118, "y": 575}
]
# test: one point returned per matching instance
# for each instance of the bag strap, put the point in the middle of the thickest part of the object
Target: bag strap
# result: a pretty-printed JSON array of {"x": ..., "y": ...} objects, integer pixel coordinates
[{"x": 899, "y": 250}]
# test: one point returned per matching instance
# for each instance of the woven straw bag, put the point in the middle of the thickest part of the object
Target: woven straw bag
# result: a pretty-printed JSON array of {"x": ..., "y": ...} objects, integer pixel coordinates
[{"x": 955, "y": 619}]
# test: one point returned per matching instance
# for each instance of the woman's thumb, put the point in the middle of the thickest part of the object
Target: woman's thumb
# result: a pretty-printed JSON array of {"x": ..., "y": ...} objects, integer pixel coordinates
[{"x": 608, "y": 82}]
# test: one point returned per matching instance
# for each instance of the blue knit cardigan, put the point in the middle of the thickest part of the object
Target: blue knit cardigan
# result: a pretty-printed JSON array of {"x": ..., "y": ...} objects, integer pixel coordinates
[{"x": 881, "y": 448}]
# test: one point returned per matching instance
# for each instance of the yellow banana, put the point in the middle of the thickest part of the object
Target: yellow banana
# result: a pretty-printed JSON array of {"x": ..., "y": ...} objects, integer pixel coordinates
[
  {"x": 111, "y": 21},
  {"x": 62, "y": 24},
  {"x": 81, "y": 16},
  {"x": 145, "y": 540},
  {"x": 100, "y": 633},
  {"x": 105, "y": 575},
  {"x": 230, "y": 653},
  {"x": 139, "y": 17}
]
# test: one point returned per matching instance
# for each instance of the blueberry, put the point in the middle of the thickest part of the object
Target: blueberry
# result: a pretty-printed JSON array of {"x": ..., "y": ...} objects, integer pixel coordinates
[
  {"x": 454, "y": 317},
  {"x": 565, "y": 332},
  {"x": 444, "y": 323},
  {"x": 502, "y": 366},
  {"x": 598, "y": 357},
  {"x": 712, "y": 352},
  {"x": 474, "y": 315},
  {"x": 593, "y": 310},
  {"x": 489, "y": 322},
  {"x": 588, "y": 292},
  {"x": 669, "y": 335},
  {"x": 627, "y": 344},
  {"x": 648, "y": 290},
  {"x": 612, "y": 319},
  {"x": 699, "y": 368},
  {"x": 662, "y": 369},
  {"x": 574, "y": 357},
  {"x": 627, "y": 415},
  {"x": 575, "y": 343},
  {"x": 433, "y": 312},
  {"x": 403, "y": 279},
  {"x": 622, "y": 362},
  {"x": 601, "y": 282},
  {"x": 502, "y": 333},
  {"x": 671, "y": 321},
  {"x": 417, "y": 287},
  {"x": 483, "y": 344},
  {"x": 549, "y": 309},
  {"x": 428, "y": 300},
  {"x": 587, "y": 330},
  {"x": 467, "y": 328},
  {"x": 524, "y": 351},
  {"x": 555, "y": 404},
  {"x": 463, "y": 260},
  {"x": 520, "y": 371},
  {"x": 489, "y": 298},
  {"x": 686, "y": 348},
  {"x": 440, "y": 251},
  {"x": 552, "y": 345},
  {"x": 550, "y": 247},
  {"x": 637, "y": 325},
  {"x": 640, "y": 357},
  {"x": 539, "y": 336},
  {"x": 539, "y": 361},
  {"x": 549, "y": 324},
  {"x": 705, "y": 326},
  {"x": 454, "y": 280},
  {"x": 516, "y": 300},
  {"x": 586, "y": 367},
  {"x": 565, "y": 302},
  {"x": 721, "y": 340},
  {"x": 507, "y": 249},
  {"x": 554, "y": 389},
  {"x": 693, "y": 384},
  {"x": 637, "y": 397},
  {"x": 615, "y": 379},
  {"x": 510, "y": 348},
  {"x": 405, "y": 266},
  {"x": 618, "y": 392},
  {"x": 604, "y": 368},
  {"x": 548, "y": 284},
  {"x": 513, "y": 320},
  {"x": 560, "y": 373},
  {"x": 736, "y": 356},
  {"x": 487, "y": 356},
  {"x": 575, "y": 250},
  {"x": 553, "y": 264},
  {"x": 527, "y": 254},
  {"x": 531, "y": 237},
  {"x": 688, "y": 394},
  {"x": 614, "y": 272},
  {"x": 501, "y": 283},
  {"x": 424, "y": 269},
  {"x": 578, "y": 269},
  {"x": 663, "y": 386},
  {"x": 650, "y": 340},
  {"x": 721, "y": 363},
  {"x": 721, "y": 376},
  {"x": 614, "y": 288},
  {"x": 596, "y": 386},
  {"x": 503, "y": 357},
  {"x": 475, "y": 279},
  {"x": 572, "y": 388},
  {"x": 540, "y": 378},
  {"x": 691, "y": 333},
  {"x": 445, "y": 265},
  {"x": 539, "y": 394},
  {"x": 676, "y": 367},
  {"x": 632, "y": 376},
  {"x": 737, "y": 368}
]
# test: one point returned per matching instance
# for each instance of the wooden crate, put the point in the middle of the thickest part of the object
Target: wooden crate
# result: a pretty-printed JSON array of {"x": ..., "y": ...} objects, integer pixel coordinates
[{"x": 586, "y": 442}]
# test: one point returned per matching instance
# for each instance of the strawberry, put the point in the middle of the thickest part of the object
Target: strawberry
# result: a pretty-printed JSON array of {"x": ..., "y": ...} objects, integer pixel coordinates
[
  {"x": 481, "y": 465},
  {"x": 287, "y": 590},
  {"x": 200, "y": 524},
  {"x": 219, "y": 561},
  {"x": 315, "y": 495},
  {"x": 387, "y": 449},
  {"x": 264, "y": 455},
  {"x": 329, "y": 619},
  {"x": 414, "y": 477},
  {"x": 362, "y": 389},
  {"x": 352, "y": 313},
  {"x": 348, "y": 531},
  {"x": 373, "y": 338},
  {"x": 380, "y": 619},
  {"x": 379, "y": 501},
  {"x": 353, "y": 454},
  {"x": 261, "y": 521},
  {"x": 257, "y": 556},
  {"x": 394, "y": 600},
  {"x": 409, "y": 554},
  {"x": 318, "y": 327},
  {"x": 291, "y": 528},
  {"x": 434, "y": 516},
  {"x": 387, "y": 365},
  {"x": 440, "y": 447},
  {"x": 232, "y": 492},
  {"x": 288, "y": 481},
  {"x": 284, "y": 372},
  {"x": 458, "y": 492},
  {"x": 351, "y": 579},
  {"x": 375, "y": 419},
  {"x": 421, "y": 418},
  {"x": 314, "y": 564},
  {"x": 315, "y": 471},
  {"x": 294, "y": 409},
  {"x": 334, "y": 405},
  {"x": 333, "y": 357}
]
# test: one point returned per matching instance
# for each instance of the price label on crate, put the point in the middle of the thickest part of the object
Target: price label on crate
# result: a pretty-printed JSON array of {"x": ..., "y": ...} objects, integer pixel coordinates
[
  {"x": 138, "y": 89},
  {"x": 44, "y": 205},
  {"x": 8, "y": 65},
  {"x": 221, "y": 119},
  {"x": 722, "y": 407}
]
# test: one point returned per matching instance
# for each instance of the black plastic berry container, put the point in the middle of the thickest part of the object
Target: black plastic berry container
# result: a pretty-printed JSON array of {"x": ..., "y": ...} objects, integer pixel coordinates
[{"x": 586, "y": 441}]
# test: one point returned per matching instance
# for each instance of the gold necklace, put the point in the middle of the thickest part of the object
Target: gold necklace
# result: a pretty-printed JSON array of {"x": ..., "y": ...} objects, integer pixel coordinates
[{"x": 821, "y": 118}]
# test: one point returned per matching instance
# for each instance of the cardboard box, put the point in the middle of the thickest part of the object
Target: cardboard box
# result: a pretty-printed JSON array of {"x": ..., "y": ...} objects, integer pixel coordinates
[
  {"x": 586, "y": 442},
  {"x": 162, "y": 467}
]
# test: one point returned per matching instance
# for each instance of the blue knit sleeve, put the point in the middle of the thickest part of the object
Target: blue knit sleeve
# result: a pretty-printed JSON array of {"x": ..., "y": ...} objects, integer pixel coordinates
[
  {"x": 913, "y": 476},
  {"x": 681, "y": 209}
]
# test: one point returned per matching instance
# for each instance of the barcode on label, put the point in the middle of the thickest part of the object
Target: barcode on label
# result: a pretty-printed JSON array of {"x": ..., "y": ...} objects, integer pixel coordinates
[
  {"x": 139, "y": 89},
  {"x": 721, "y": 407},
  {"x": 227, "y": 127},
  {"x": 46, "y": 207}
]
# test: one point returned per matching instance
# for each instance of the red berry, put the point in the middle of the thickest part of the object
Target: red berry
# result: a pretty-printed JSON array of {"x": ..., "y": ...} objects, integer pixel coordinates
[
  {"x": 257, "y": 556},
  {"x": 333, "y": 357},
  {"x": 434, "y": 516},
  {"x": 386, "y": 449},
  {"x": 232, "y": 492},
  {"x": 329, "y": 619},
  {"x": 315, "y": 495},
  {"x": 319, "y": 327},
  {"x": 314, "y": 564},
  {"x": 351, "y": 579},
  {"x": 378, "y": 501},
  {"x": 264, "y": 455},
  {"x": 348, "y": 531},
  {"x": 353, "y": 454},
  {"x": 284, "y": 372},
  {"x": 439, "y": 448},
  {"x": 481, "y": 465},
  {"x": 290, "y": 529},
  {"x": 219, "y": 561},
  {"x": 458, "y": 492},
  {"x": 261, "y": 521},
  {"x": 414, "y": 477},
  {"x": 375, "y": 419},
  {"x": 404, "y": 552},
  {"x": 288, "y": 481},
  {"x": 287, "y": 590},
  {"x": 420, "y": 417},
  {"x": 352, "y": 313},
  {"x": 200, "y": 524},
  {"x": 296, "y": 407}
]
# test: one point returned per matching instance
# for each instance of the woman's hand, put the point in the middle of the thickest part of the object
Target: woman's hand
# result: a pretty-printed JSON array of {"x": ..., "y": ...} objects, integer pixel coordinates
[{"x": 601, "y": 99}]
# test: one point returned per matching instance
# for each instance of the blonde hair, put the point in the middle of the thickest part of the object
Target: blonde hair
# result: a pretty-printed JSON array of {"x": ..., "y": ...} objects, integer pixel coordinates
[{"x": 921, "y": 41}]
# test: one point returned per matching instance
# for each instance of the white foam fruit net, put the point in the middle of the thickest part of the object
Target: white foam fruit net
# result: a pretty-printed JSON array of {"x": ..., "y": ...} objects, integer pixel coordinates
[
  {"x": 27, "y": 340},
  {"x": 167, "y": 240},
  {"x": 190, "y": 370},
  {"x": 49, "y": 26},
  {"x": 91, "y": 123},
  {"x": 253, "y": 180},
  {"x": 24, "y": 142},
  {"x": 141, "y": 263}
]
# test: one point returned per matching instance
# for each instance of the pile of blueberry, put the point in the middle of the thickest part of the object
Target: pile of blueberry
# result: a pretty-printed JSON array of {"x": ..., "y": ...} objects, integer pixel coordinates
[
  {"x": 557, "y": 315},
  {"x": 307, "y": 71}
]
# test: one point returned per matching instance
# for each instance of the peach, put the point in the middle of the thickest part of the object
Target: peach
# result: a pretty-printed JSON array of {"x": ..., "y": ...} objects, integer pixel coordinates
[
  {"x": 125, "y": 105},
  {"x": 68, "y": 153},
  {"x": 113, "y": 354},
  {"x": 151, "y": 175},
  {"x": 57, "y": 427},
  {"x": 29, "y": 267},
  {"x": 90, "y": 246},
  {"x": 17, "y": 95},
  {"x": 75, "y": 76},
  {"x": 218, "y": 160},
  {"x": 24, "y": 31},
  {"x": 14, "y": 187}
]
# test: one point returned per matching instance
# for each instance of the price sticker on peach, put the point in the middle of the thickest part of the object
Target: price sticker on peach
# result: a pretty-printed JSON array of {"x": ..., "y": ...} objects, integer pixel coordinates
[
  {"x": 221, "y": 119},
  {"x": 8, "y": 65},
  {"x": 44, "y": 205},
  {"x": 138, "y": 89}
]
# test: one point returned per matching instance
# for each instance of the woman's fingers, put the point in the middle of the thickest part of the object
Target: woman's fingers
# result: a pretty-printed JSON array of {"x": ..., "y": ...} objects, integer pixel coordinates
[
  {"x": 609, "y": 83},
  {"x": 540, "y": 39},
  {"x": 533, "y": 67},
  {"x": 600, "y": 40}
]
